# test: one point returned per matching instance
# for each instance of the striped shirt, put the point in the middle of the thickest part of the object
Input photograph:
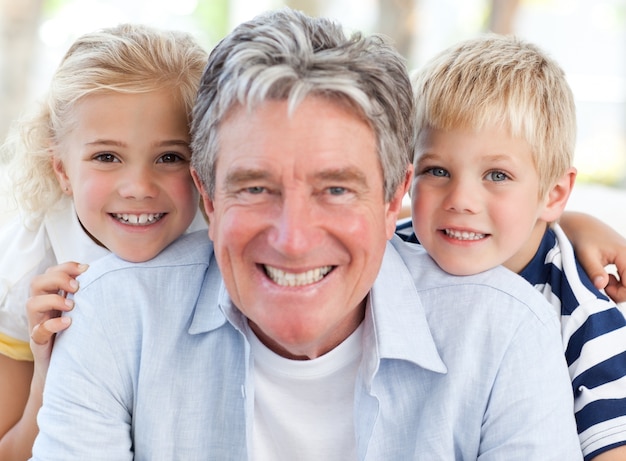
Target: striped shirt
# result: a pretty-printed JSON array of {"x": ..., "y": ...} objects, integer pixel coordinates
[{"x": 593, "y": 330}]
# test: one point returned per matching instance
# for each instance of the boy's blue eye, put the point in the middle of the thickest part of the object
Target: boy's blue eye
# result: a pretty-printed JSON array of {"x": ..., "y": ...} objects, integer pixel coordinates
[
  {"x": 439, "y": 172},
  {"x": 497, "y": 176}
]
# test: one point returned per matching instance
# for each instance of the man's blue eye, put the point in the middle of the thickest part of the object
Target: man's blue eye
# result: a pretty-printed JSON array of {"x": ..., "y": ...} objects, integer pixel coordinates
[
  {"x": 255, "y": 190},
  {"x": 337, "y": 190}
]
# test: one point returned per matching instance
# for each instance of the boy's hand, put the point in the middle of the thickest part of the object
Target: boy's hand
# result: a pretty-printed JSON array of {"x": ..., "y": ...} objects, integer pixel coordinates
[
  {"x": 598, "y": 245},
  {"x": 45, "y": 306}
]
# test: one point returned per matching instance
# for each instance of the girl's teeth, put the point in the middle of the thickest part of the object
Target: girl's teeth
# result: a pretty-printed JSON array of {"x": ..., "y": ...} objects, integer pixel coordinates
[{"x": 138, "y": 220}]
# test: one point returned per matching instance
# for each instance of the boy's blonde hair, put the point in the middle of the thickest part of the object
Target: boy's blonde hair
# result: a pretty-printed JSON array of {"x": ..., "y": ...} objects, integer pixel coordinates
[
  {"x": 129, "y": 58},
  {"x": 496, "y": 80}
]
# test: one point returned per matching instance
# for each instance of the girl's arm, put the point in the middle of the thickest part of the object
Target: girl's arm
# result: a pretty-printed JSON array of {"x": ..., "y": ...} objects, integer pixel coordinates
[
  {"x": 21, "y": 382},
  {"x": 18, "y": 425}
]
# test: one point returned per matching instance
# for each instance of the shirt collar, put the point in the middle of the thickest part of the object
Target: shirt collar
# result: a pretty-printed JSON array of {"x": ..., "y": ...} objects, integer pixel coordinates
[
  {"x": 397, "y": 318},
  {"x": 395, "y": 325},
  {"x": 207, "y": 316}
]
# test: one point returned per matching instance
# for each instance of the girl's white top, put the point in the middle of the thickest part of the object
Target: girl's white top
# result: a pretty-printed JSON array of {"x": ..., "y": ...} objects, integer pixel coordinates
[{"x": 29, "y": 247}]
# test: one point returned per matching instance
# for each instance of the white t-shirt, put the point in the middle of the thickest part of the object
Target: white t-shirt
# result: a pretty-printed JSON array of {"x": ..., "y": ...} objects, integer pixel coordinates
[{"x": 304, "y": 409}]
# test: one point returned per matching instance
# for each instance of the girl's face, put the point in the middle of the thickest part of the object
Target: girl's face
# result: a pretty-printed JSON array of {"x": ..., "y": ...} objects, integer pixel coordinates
[{"x": 126, "y": 165}]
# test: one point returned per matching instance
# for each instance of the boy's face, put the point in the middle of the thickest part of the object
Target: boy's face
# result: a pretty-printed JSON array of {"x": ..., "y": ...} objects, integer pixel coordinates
[
  {"x": 475, "y": 200},
  {"x": 126, "y": 165}
]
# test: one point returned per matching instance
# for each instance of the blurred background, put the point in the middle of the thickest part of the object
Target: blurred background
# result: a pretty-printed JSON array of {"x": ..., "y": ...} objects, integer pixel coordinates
[{"x": 588, "y": 38}]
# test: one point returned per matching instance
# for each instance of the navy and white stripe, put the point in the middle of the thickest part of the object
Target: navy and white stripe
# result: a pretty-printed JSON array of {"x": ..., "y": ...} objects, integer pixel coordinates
[{"x": 594, "y": 339}]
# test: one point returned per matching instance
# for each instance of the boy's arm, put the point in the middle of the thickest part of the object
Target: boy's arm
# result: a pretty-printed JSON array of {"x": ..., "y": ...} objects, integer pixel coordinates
[
  {"x": 616, "y": 454},
  {"x": 598, "y": 245}
]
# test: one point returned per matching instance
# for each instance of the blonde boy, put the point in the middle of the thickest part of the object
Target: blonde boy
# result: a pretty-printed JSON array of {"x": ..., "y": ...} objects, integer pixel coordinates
[{"x": 496, "y": 130}]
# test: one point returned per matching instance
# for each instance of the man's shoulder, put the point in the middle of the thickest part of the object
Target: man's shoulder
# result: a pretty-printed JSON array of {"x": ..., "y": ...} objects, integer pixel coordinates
[
  {"x": 192, "y": 249},
  {"x": 493, "y": 288}
]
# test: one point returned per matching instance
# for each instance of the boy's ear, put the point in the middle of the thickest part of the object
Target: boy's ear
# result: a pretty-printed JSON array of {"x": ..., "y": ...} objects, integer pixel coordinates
[
  {"x": 59, "y": 172},
  {"x": 558, "y": 195}
]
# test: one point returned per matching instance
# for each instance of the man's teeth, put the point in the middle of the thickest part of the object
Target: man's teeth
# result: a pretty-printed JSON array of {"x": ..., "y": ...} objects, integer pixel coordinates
[
  {"x": 138, "y": 219},
  {"x": 290, "y": 279},
  {"x": 463, "y": 235}
]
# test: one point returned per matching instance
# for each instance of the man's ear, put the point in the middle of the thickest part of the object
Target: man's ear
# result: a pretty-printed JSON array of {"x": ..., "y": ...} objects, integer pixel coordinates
[
  {"x": 206, "y": 200},
  {"x": 61, "y": 174},
  {"x": 394, "y": 207},
  {"x": 558, "y": 195}
]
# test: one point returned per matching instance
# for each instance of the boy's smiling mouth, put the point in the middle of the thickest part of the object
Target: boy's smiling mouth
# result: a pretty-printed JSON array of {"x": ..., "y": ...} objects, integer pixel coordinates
[{"x": 463, "y": 235}]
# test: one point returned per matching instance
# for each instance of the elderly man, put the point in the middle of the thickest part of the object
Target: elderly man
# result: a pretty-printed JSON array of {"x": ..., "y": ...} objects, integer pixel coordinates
[{"x": 303, "y": 330}]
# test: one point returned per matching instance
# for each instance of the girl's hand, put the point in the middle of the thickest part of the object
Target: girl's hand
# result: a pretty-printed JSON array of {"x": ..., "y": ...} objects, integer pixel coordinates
[{"x": 44, "y": 308}]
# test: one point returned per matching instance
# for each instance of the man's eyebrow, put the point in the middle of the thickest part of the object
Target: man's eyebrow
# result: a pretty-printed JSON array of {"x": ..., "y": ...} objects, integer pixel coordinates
[
  {"x": 343, "y": 174},
  {"x": 243, "y": 175}
]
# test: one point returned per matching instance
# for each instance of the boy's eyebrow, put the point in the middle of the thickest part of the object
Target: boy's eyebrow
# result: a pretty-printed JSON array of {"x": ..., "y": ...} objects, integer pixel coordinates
[{"x": 424, "y": 157}]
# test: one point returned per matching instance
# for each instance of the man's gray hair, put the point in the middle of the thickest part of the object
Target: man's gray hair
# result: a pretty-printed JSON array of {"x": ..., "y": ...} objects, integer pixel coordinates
[{"x": 286, "y": 55}]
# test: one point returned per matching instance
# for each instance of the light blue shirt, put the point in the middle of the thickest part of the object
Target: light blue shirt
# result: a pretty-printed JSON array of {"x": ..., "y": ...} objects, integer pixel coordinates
[{"x": 155, "y": 366}]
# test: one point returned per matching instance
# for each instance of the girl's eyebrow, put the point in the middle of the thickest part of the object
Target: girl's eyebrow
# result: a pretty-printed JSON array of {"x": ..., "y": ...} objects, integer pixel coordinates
[
  {"x": 105, "y": 142},
  {"x": 111, "y": 142}
]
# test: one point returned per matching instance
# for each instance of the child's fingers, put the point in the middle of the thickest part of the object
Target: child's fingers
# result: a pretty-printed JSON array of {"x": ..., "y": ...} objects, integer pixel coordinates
[
  {"x": 616, "y": 289},
  {"x": 71, "y": 268},
  {"x": 57, "y": 278},
  {"x": 44, "y": 307},
  {"x": 43, "y": 332}
]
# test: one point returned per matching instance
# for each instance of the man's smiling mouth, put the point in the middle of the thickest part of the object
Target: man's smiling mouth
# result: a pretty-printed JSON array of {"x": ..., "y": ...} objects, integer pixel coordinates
[
  {"x": 290, "y": 279},
  {"x": 142, "y": 219}
]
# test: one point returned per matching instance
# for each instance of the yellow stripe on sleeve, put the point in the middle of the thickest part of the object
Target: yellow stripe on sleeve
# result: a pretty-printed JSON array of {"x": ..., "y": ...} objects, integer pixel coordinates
[{"x": 15, "y": 349}]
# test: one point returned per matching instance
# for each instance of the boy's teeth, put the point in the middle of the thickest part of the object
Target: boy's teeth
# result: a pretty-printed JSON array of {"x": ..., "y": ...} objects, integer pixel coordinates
[
  {"x": 290, "y": 279},
  {"x": 138, "y": 219},
  {"x": 463, "y": 235}
]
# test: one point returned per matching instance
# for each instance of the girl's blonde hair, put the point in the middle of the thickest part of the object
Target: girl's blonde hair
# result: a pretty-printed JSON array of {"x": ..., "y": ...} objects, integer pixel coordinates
[{"x": 129, "y": 58}]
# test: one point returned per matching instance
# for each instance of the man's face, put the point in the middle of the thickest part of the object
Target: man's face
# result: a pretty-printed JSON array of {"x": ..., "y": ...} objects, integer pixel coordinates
[{"x": 299, "y": 221}]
